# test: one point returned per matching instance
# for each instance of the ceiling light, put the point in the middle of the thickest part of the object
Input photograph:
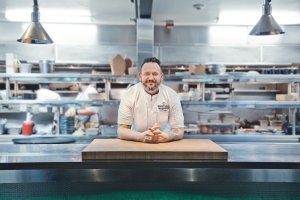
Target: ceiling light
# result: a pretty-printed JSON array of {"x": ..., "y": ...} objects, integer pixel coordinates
[
  {"x": 35, "y": 33},
  {"x": 266, "y": 24}
]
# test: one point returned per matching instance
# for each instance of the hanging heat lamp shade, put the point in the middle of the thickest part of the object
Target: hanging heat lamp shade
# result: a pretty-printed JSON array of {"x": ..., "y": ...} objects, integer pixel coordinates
[
  {"x": 35, "y": 33},
  {"x": 266, "y": 24}
]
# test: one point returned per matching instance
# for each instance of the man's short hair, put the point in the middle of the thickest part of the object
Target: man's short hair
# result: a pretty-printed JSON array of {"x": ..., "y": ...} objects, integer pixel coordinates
[{"x": 151, "y": 59}]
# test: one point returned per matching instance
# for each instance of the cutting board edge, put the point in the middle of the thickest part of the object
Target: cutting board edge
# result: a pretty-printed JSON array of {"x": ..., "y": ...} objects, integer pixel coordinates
[{"x": 154, "y": 156}]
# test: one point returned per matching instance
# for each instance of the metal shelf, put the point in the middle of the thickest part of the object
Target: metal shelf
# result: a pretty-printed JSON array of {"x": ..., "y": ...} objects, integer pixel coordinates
[
  {"x": 242, "y": 78},
  {"x": 207, "y": 78},
  {"x": 213, "y": 104},
  {"x": 65, "y": 78},
  {"x": 244, "y": 104}
]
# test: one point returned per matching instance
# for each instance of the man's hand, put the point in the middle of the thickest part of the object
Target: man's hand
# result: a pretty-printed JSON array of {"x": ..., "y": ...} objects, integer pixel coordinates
[
  {"x": 152, "y": 135},
  {"x": 71, "y": 112},
  {"x": 155, "y": 135}
]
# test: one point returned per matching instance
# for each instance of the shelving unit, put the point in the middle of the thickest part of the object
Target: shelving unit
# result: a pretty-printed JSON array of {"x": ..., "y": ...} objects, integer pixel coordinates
[{"x": 199, "y": 80}]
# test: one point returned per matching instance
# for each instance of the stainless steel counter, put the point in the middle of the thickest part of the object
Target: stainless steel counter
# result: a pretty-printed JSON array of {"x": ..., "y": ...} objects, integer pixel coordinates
[
  {"x": 260, "y": 149},
  {"x": 259, "y": 168}
]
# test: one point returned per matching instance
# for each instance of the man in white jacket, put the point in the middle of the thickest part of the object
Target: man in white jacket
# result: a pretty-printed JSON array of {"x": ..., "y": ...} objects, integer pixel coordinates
[
  {"x": 150, "y": 111},
  {"x": 85, "y": 114}
]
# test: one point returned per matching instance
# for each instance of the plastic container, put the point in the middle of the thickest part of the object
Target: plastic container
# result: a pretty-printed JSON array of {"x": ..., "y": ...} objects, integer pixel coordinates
[
  {"x": 216, "y": 128},
  {"x": 109, "y": 130},
  {"x": 66, "y": 124},
  {"x": 27, "y": 128}
]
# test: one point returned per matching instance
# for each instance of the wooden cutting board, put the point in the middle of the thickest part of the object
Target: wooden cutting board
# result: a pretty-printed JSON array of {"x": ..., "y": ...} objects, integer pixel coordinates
[{"x": 186, "y": 149}]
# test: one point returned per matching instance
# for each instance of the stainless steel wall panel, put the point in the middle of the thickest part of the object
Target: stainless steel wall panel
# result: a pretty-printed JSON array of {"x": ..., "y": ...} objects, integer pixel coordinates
[
  {"x": 209, "y": 54},
  {"x": 93, "y": 54},
  {"x": 10, "y": 31},
  {"x": 144, "y": 40},
  {"x": 201, "y": 35},
  {"x": 234, "y": 54},
  {"x": 91, "y": 34},
  {"x": 95, "y": 43},
  {"x": 291, "y": 35},
  {"x": 28, "y": 51},
  {"x": 184, "y": 54},
  {"x": 181, "y": 35},
  {"x": 281, "y": 54},
  {"x": 75, "y": 33}
]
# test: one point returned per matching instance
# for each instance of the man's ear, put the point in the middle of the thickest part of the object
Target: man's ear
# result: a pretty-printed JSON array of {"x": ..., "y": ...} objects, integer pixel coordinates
[
  {"x": 162, "y": 76},
  {"x": 139, "y": 76}
]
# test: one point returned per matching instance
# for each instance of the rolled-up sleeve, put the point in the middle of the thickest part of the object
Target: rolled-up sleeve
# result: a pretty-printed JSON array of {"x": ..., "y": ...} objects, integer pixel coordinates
[
  {"x": 176, "y": 115},
  {"x": 125, "y": 111}
]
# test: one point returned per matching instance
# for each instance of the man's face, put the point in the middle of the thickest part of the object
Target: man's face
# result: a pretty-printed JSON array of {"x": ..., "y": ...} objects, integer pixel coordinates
[{"x": 151, "y": 76}]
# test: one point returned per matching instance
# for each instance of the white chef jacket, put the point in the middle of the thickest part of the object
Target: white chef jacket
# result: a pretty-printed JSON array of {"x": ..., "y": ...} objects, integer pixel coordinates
[
  {"x": 84, "y": 96},
  {"x": 141, "y": 110}
]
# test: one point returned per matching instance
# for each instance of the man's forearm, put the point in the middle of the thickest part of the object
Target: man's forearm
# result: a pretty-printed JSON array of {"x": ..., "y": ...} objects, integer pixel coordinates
[
  {"x": 175, "y": 134},
  {"x": 85, "y": 112},
  {"x": 128, "y": 134}
]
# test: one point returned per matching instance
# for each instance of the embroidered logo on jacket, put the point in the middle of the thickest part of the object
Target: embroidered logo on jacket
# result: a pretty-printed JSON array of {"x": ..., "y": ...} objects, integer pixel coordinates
[{"x": 163, "y": 107}]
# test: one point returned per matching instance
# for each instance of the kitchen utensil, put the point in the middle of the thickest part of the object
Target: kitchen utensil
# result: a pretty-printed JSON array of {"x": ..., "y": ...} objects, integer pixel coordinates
[
  {"x": 27, "y": 127},
  {"x": 44, "y": 140},
  {"x": 25, "y": 68},
  {"x": 46, "y": 66},
  {"x": 216, "y": 69},
  {"x": 29, "y": 96},
  {"x": 66, "y": 124},
  {"x": 2, "y": 126}
]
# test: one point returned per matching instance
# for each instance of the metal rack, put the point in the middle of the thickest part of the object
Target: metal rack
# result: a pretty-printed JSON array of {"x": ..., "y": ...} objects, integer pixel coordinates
[{"x": 200, "y": 80}]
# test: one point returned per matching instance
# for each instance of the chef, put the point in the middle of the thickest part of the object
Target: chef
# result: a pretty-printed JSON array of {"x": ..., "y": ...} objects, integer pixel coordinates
[
  {"x": 89, "y": 114},
  {"x": 150, "y": 111},
  {"x": 44, "y": 93}
]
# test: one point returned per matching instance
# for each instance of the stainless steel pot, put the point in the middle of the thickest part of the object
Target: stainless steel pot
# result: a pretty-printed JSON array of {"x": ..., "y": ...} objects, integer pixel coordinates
[
  {"x": 2, "y": 126},
  {"x": 46, "y": 66},
  {"x": 25, "y": 68},
  {"x": 216, "y": 69}
]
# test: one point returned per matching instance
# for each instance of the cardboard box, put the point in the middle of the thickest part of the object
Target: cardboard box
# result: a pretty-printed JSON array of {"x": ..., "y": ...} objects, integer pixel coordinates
[
  {"x": 197, "y": 69},
  {"x": 287, "y": 97}
]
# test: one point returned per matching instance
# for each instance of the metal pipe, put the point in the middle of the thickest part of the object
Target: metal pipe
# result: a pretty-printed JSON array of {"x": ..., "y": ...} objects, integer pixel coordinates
[
  {"x": 267, "y": 7},
  {"x": 294, "y": 121},
  {"x": 35, "y": 15}
]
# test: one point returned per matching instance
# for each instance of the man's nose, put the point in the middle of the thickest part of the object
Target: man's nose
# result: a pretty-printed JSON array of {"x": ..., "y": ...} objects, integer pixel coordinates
[{"x": 151, "y": 76}]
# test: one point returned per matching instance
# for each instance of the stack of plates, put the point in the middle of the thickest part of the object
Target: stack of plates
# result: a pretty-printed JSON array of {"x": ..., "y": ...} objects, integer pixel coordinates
[{"x": 66, "y": 124}]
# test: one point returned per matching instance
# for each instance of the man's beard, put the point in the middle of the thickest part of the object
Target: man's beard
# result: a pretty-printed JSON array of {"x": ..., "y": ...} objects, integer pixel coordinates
[{"x": 153, "y": 88}]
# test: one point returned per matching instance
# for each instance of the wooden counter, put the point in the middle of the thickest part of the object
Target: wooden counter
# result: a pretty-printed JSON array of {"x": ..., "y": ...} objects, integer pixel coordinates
[{"x": 186, "y": 149}]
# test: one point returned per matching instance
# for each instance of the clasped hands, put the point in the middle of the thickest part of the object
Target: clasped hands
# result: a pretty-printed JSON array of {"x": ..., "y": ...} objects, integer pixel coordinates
[{"x": 155, "y": 135}]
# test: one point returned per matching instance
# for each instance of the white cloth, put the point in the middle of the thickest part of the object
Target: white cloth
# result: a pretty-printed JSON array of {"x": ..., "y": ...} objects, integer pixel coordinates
[
  {"x": 46, "y": 94},
  {"x": 141, "y": 110},
  {"x": 84, "y": 96}
]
